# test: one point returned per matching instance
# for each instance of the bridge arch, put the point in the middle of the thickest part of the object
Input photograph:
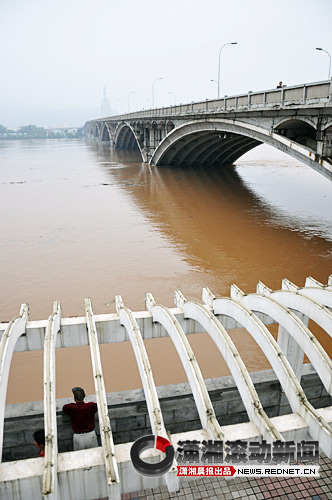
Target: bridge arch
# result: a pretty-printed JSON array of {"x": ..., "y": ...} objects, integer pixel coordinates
[
  {"x": 169, "y": 126},
  {"x": 328, "y": 125},
  {"x": 104, "y": 133},
  {"x": 305, "y": 119},
  {"x": 301, "y": 130},
  {"x": 224, "y": 141},
  {"x": 125, "y": 138},
  {"x": 95, "y": 130}
]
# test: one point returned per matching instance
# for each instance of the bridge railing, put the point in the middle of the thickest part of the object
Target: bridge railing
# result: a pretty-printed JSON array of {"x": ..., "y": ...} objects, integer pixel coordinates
[{"x": 305, "y": 94}]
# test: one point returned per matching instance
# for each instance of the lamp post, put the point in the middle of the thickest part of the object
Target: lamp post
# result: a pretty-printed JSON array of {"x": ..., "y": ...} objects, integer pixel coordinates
[
  {"x": 229, "y": 43},
  {"x": 323, "y": 50},
  {"x": 174, "y": 97},
  {"x": 128, "y": 98},
  {"x": 154, "y": 81}
]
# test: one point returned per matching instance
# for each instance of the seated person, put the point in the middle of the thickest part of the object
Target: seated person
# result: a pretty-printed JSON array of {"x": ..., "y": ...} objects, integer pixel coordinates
[{"x": 39, "y": 441}]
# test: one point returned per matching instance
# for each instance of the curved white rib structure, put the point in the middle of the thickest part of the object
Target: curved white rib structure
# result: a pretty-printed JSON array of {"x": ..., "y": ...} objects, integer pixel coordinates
[
  {"x": 313, "y": 289},
  {"x": 319, "y": 428},
  {"x": 292, "y": 324},
  {"x": 305, "y": 305},
  {"x": 233, "y": 359},
  {"x": 310, "y": 281},
  {"x": 143, "y": 364},
  {"x": 111, "y": 467},
  {"x": 14, "y": 330},
  {"x": 51, "y": 444},
  {"x": 163, "y": 315},
  {"x": 152, "y": 401},
  {"x": 108, "y": 469}
]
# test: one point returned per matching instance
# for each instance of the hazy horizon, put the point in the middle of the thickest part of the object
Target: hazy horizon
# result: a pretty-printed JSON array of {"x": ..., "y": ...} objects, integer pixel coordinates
[{"x": 60, "y": 55}]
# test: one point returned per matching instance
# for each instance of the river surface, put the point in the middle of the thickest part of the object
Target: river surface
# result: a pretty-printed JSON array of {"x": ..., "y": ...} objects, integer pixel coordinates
[{"x": 80, "y": 221}]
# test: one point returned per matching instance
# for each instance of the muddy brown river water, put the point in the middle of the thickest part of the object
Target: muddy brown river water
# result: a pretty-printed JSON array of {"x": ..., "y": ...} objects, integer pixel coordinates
[{"x": 80, "y": 221}]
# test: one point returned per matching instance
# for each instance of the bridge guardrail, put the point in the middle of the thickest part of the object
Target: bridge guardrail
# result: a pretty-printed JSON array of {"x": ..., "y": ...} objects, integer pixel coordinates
[{"x": 309, "y": 93}]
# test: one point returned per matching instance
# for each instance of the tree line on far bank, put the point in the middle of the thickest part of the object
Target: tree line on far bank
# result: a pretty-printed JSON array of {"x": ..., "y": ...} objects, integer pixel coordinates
[{"x": 34, "y": 132}]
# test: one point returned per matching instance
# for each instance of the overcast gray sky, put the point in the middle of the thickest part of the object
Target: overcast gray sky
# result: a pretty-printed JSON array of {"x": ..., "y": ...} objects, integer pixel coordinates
[{"x": 57, "y": 55}]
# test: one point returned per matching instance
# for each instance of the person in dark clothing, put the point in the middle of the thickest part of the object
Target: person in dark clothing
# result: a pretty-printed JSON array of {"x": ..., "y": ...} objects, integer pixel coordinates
[
  {"x": 39, "y": 441},
  {"x": 82, "y": 418},
  {"x": 279, "y": 86}
]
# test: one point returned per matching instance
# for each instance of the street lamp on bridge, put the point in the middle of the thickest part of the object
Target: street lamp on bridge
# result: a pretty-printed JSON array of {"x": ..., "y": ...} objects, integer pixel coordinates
[
  {"x": 323, "y": 50},
  {"x": 174, "y": 97},
  {"x": 229, "y": 43},
  {"x": 154, "y": 81},
  {"x": 128, "y": 98}
]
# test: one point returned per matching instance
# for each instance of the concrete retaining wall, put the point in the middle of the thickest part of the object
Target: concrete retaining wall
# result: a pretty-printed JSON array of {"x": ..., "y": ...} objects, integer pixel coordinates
[{"x": 129, "y": 418}]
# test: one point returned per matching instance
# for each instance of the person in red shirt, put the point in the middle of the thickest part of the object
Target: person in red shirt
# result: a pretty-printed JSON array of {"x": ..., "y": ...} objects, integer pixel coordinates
[
  {"x": 82, "y": 418},
  {"x": 39, "y": 441}
]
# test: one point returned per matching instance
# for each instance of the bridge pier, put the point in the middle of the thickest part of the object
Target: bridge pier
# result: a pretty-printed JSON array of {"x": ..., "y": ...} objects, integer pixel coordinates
[
  {"x": 327, "y": 145},
  {"x": 147, "y": 149}
]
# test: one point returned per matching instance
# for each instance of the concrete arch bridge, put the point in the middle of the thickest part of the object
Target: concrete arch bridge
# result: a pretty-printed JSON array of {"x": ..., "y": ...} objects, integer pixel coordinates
[{"x": 296, "y": 120}]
